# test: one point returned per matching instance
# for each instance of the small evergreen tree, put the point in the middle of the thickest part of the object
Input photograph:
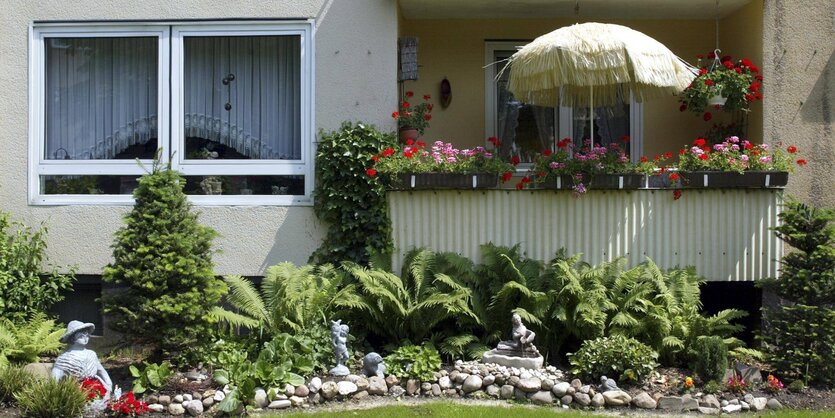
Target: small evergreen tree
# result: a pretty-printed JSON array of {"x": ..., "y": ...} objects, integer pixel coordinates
[{"x": 163, "y": 258}]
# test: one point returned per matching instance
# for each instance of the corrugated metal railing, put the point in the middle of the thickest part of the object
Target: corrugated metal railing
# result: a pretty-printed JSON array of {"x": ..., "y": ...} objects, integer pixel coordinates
[{"x": 723, "y": 233}]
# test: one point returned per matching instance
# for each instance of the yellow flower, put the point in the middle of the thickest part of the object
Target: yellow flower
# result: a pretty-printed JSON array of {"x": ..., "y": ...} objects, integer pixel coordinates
[{"x": 688, "y": 382}]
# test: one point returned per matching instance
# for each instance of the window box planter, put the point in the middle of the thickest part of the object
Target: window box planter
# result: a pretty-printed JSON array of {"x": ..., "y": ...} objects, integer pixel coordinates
[
  {"x": 598, "y": 181},
  {"x": 734, "y": 180},
  {"x": 415, "y": 181}
]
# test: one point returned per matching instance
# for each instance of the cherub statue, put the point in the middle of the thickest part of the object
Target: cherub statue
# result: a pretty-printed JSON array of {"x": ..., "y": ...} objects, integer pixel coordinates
[
  {"x": 78, "y": 361},
  {"x": 339, "y": 339}
]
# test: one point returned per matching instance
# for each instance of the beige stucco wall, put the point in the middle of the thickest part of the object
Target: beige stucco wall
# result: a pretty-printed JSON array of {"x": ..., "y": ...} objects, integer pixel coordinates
[
  {"x": 799, "y": 104},
  {"x": 740, "y": 36},
  {"x": 355, "y": 79}
]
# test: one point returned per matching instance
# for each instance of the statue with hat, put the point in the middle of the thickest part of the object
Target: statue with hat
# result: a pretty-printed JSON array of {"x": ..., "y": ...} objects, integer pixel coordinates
[{"x": 77, "y": 361}]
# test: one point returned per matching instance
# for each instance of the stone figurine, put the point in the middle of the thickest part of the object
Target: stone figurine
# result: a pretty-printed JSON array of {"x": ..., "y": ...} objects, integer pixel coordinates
[
  {"x": 519, "y": 351},
  {"x": 339, "y": 339},
  {"x": 78, "y": 361},
  {"x": 608, "y": 385},
  {"x": 372, "y": 365}
]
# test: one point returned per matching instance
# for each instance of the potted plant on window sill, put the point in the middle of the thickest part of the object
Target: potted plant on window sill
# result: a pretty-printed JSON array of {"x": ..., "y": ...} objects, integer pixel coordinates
[
  {"x": 414, "y": 166},
  {"x": 735, "y": 163},
  {"x": 412, "y": 119},
  {"x": 728, "y": 85}
]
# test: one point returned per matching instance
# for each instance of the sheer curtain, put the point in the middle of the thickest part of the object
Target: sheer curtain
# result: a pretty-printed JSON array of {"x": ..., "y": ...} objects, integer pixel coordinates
[
  {"x": 262, "y": 94},
  {"x": 101, "y": 96}
]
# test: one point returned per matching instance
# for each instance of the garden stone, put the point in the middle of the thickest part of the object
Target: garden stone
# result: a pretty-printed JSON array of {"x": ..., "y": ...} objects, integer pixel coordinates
[
  {"x": 597, "y": 400},
  {"x": 759, "y": 404},
  {"x": 208, "y": 402},
  {"x": 543, "y": 397},
  {"x": 724, "y": 403},
  {"x": 329, "y": 390},
  {"x": 187, "y": 398},
  {"x": 377, "y": 386},
  {"x": 560, "y": 389},
  {"x": 444, "y": 372},
  {"x": 530, "y": 385},
  {"x": 709, "y": 411},
  {"x": 176, "y": 409},
  {"x": 751, "y": 375},
  {"x": 774, "y": 404},
  {"x": 155, "y": 407},
  {"x": 451, "y": 392},
  {"x": 567, "y": 399},
  {"x": 302, "y": 391},
  {"x": 688, "y": 403},
  {"x": 315, "y": 398},
  {"x": 461, "y": 377},
  {"x": 748, "y": 398},
  {"x": 731, "y": 409},
  {"x": 519, "y": 394},
  {"x": 339, "y": 340},
  {"x": 525, "y": 375},
  {"x": 733, "y": 401},
  {"x": 671, "y": 403},
  {"x": 488, "y": 380},
  {"x": 453, "y": 374},
  {"x": 360, "y": 395},
  {"x": 547, "y": 384},
  {"x": 155, "y": 399},
  {"x": 165, "y": 400},
  {"x": 643, "y": 400},
  {"x": 315, "y": 384},
  {"x": 289, "y": 390},
  {"x": 279, "y": 405},
  {"x": 261, "y": 398},
  {"x": 219, "y": 396},
  {"x": 571, "y": 390},
  {"x": 436, "y": 389},
  {"x": 178, "y": 399},
  {"x": 352, "y": 378},
  {"x": 297, "y": 401},
  {"x": 582, "y": 398},
  {"x": 472, "y": 384},
  {"x": 280, "y": 396},
  {"x": 208, "y": 393},
  {"x": 444, "y": 382},
  {"x": 501, "y": 379},
  {"x": 745, "y": 406},
  {"x": 710, "y": 401},
  {"x": 194, "y": 407},
  {"x": 506, "y": 392},
  {"x": 584, "y": 389},
  {"x": 396, "y": 391},
  {"x": 617, "y": 398},
  {"x": 39, "y": 370},
  {"x": 362, "y": 383},
  {"x": 576, "y": 384},
  {"x": 514, "y": 380},
  {"x": 392, "y": 380},
  {"x": 412, "y": 386},
  {"x": 493, "y": 391},
  {"x": 346, "y": 388},
  {"x": 425, "y": 387}
]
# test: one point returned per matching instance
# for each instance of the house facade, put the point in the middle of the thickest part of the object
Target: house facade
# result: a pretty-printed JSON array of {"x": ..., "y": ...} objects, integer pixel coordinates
[{"x": 236, "y": 94}]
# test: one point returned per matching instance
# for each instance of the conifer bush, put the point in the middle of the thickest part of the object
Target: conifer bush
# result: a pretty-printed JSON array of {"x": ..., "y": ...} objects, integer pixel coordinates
[
  {"x": 712, "y": 358},
  {"x": 163, "y": 264}
]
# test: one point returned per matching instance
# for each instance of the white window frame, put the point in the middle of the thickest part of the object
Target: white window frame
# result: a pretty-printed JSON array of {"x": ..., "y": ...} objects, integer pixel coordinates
[
  {"x": 565, "y": 115},
  {"x": 171, "y": 135}
]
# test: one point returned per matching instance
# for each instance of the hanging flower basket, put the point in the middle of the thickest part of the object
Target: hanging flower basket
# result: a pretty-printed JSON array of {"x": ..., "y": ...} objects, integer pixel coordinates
[{"x": 726, "y": 84}]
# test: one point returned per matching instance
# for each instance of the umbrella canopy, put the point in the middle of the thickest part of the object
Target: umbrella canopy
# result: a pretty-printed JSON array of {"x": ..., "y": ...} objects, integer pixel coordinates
[{"x": 594, "y": 62}]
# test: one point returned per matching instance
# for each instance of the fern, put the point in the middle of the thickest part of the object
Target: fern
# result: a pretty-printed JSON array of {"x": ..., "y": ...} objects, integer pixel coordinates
[{"x": 27, "y": 342}]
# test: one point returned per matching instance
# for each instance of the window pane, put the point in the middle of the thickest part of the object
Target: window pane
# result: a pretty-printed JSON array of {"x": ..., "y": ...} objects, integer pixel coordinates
[
  {"x": 243, "y": 97},
  {"x": 611, "y": 124},
  {"x": 245, "y": 185},
  {"x": 524, "y": 130},
  {"x": 88, "y": 184},
  {"x": 101, "y": 98}
]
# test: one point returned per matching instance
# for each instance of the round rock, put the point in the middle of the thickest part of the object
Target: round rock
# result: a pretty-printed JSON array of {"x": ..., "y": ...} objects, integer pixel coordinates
[
  {"x": 472, "y": 384},
  {"x": 560, "y": 389},
  {"x": 530, "y": 385},
  {"x": 543, "y": 397}
]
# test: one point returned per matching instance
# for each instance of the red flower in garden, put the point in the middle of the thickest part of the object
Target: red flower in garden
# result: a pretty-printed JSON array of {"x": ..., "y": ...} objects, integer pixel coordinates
[
  {"x": 702, "y": 71},
  {"x": 409, "y": 93},
  {"x": 755, "y": 86},
  {"x": 375, "y": 158},
  {"x": 625, "y": 138},
  {"x": 748, "y": 145},
  {"x": 644, "y": 158},
  {"x": 707, "y": 116},
  {"x": 708, "y": 82},
  {"x": 427, "y": 117},
  {"x": 526, "y": 179},
  {"x": 711, "y": 55},
  {"x": 703, "y": 157},
  {"x": 495, "y": 141},
  {"x": 749, "y": 97},
  {"x": 758, "y": 78},
  {"x": 563, "y": 142},
  {"x": 410, "y": 141},
  {"x": 668, "y": 155},
  {"x": 395, "y": 114},
  {"x": 388, "y": 152},
  {"x": 738, "y": 70},
  {"x": 676, "y": 194},
  {"x": 547, "y": 153},
  {"x": 371, "y": 172},
  {"x": 801, "y": 162},
  {"x": 758, "y": 96},
  {"x": 515, "y": 160},
  {"x": 421, "y": 144},
  {"x": 540, "y": 174},
  {"x": 699, "y": 142},
  {"x": 506, "y": 176},
  {"x": 728, "y": 64},
  {"x": 746, "y": 62},
  {"x": 791, "y": 149},
  {"x": 520, "y": 186},
  {"x": 674, "y": 176},
  {"x": 681, "y": 151},
  {"x": 426, "y": 97}
]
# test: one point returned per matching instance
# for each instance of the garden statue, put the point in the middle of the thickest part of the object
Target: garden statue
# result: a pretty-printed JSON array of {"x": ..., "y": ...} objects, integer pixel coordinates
[
  {"x": 78, "y": 361},
  {"x": 517, "y": 352},
  {"x": 372, "y": 365},
  {"x": 339, "y": 339},
  {"x": 607, "y": 385}
]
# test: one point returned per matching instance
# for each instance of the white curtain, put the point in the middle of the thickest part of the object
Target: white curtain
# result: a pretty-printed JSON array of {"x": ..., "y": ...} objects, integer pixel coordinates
[
  {"x": 101, "y": 96},
  {"x": 611, "y": 124},
  {"x": 264, "y": 120}
]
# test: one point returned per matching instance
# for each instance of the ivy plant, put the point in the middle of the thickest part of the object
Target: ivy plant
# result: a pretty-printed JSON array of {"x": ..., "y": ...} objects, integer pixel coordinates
[{"x": 348, "y": 195}]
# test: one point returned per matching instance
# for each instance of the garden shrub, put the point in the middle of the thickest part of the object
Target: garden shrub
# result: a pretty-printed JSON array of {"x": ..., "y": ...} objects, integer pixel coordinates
[
  {"x": 49, "y": 398},
  {"x": 617, "y": 357},
  {"x": 348, "y": 197},
  {"x": 163, "y": 259},
  {"x": 25, "y": 289},
  {"x": 13, "y": 380},
  {"x": 800, "y": 336},
  {"x": 712, "y": 359},
  {"x": 25, "y": 343},
  {"x": 153, "y": 376},
  {"x": 414, "y": 362}
]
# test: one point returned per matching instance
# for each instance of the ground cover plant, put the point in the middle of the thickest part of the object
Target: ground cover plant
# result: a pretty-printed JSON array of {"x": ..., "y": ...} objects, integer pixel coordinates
[
  {"x": 163, "y": 263},
  {"x": 28, "y": 341}
]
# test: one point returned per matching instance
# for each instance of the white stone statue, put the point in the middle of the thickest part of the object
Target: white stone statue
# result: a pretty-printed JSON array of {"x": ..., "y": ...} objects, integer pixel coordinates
[
  {"x": 78, "y": 361},
  {"x": 519, "y": 351},
  {"x": 339, "y": 339}
]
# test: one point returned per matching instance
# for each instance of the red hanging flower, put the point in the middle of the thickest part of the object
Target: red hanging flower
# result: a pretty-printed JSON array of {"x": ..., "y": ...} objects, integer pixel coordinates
[
  {"x": 547, "y": 152},
  {"x": 409, "y": 93},
  {"x": 506, "y": 176},
  {"x": 703, "y": 157},
  {"x": 426, "y": 97},
  {"x": 371, "y": 172},
  {"x": 388, "y": 152},
  {"x": 676, "y": 194},
  {"x": 375, "y": 158},
  {"x": 699, "y": 142},
  {"x": 515, "y": 160},
  {"x": 791, "y": 149},
  {"x": 682, "y": 108},
  {"x": 421, "y": 144},
  {"x": 395, "y": 114},
  {"x": 410, "y": 141},
  {"x": 707, "y": 116},
  {"x": 674, "y": 176},
  {"x": 802, "y": 162}
]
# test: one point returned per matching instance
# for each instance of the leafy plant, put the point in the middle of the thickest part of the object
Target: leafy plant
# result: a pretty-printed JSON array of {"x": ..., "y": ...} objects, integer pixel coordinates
[
  {"x": 736, "y": 384},
  {"x": 153, "y": 376},
  {"x": 712, "y": 358},
  {"x": 27, "y": 342},
  {"x": 308, "y": 352},
  {"x": 414, "y": 362},
  {"x": 712, "y": 387},
  {"x": 163, "y": 258},
  {"x": 738, "y": 81},
  {"x": 13, "y": 380},
  {"x": 347, "y": 199},
  {"x": 49, "y": 398},
  {"x": 25, "y": 288},
  {"x": 615, "y": 357}
]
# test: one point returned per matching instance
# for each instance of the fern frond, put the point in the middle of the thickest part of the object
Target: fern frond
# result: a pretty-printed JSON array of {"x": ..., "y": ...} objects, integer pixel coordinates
[
  {"x": 243, "y": 297},
  {"x": 234, "y": 320}
]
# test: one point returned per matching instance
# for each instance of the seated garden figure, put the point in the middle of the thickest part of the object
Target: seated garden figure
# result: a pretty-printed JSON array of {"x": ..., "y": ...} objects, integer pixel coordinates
[
  {"x": 519, "y": 351},
  {"x": 77, "y": 361}
]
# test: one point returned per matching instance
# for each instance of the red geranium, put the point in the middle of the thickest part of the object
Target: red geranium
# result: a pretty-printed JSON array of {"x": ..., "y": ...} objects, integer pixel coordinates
[
  {"x": 94, "y": 388},
  {"x": 547, "y": 152},
  {"x": 409, "y": 93},
  {"x": 371, "y": 172},
  {"x": 388, "y": 152},
  {"x": 515, "y": 160},
  {"x": 676, "y": 194},
  {"x": 791, "y": 149},
  {"x": 506, "y": 176},
  {"x": 707, "y": 116},
  {"x": 674, "y": 176},
  {"x": 801, "y": 162},
  {"x": 699, "y": 142}
]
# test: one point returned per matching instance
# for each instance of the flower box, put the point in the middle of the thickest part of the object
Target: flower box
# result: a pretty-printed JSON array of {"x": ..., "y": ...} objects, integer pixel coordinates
[
  {"x": 598, "y": 181},
  {"x": 413, "y": 181},
  {"x": 731, "y": 179}
]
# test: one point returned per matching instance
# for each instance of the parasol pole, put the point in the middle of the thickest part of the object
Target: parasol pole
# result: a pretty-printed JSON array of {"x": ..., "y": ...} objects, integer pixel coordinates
[{"x": 591, "y": 114}]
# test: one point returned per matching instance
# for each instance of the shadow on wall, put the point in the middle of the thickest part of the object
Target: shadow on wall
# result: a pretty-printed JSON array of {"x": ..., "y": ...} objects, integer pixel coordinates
[
  {"x": 819, "y": 106},
  {"x": 307, "y": 232}
]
